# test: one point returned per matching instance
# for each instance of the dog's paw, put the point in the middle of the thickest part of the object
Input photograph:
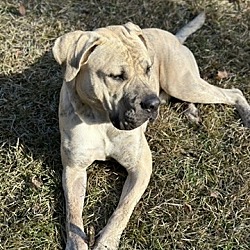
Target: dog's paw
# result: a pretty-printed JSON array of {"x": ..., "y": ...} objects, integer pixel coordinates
[
  {"x": 246, "y": 121},
  {"x": 101, "y": 247},
  {"x": 192, "y": 114},
  {"x": 244, "y": 111},
  {"x": 76, "y": 244},
  {"x": 107, "y": 245}
]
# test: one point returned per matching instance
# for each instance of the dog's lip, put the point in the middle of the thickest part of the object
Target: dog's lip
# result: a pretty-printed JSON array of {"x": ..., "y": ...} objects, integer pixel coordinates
[
  {"x": 129, "y": 124},
  {"x": 153, "y": 116},
  {"x": 123, "y": 125}
]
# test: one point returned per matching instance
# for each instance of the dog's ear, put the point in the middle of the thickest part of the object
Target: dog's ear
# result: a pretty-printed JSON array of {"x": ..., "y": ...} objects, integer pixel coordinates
[
  {"x": 72, "y": 50},
  {"x": 136, "y": 30},
  {"x": 133, "y": 28}
]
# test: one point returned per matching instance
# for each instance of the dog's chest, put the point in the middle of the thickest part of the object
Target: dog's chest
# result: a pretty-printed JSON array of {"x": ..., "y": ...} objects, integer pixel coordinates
[{"x": 102, "y": 142}]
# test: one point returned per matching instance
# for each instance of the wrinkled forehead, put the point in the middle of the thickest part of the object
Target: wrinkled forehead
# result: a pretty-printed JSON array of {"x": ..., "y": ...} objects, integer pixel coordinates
[{"x": 121, "y": 50}]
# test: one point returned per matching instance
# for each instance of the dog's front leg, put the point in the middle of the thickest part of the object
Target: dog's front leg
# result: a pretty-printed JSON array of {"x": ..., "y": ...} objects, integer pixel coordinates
[
  {"x": 74, "y": 185},
  {"x": 135, "y": 185}
]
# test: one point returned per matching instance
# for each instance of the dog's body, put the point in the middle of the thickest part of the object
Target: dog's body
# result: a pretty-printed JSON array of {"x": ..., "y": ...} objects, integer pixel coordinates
[{"x": 112, "y": 80}]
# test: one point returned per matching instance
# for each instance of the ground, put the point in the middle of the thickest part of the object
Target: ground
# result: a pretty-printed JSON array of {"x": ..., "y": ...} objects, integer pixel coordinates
[{"x": 199, "y": 194}]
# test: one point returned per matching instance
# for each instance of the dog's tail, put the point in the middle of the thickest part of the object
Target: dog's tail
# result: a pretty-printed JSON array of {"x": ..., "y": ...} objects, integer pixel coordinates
[{"x": 190, "y": 27}]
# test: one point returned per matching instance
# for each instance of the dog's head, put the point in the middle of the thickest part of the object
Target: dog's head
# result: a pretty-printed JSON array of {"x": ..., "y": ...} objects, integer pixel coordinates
[{"x": 111, "y": 69}]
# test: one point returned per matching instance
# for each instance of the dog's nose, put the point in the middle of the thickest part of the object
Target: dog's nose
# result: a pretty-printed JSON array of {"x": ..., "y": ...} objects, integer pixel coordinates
[{"x": 150, "y": 103}]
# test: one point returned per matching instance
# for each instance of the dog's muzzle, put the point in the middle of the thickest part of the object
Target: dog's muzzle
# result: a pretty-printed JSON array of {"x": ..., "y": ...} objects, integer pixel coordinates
[{"x": 136, "y": 116}]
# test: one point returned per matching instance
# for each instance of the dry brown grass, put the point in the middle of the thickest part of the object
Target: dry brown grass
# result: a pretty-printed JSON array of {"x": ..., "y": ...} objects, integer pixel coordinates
[{"x": 198, "y": 197}]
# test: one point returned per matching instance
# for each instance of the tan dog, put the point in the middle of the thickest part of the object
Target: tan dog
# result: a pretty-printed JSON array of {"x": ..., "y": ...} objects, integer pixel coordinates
[{"x": 113, "y": 77}]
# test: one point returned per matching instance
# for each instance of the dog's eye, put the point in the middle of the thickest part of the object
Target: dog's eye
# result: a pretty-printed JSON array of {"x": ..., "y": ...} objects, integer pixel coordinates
[
  {"x": 120, "y": 77},
  {"x": 147, "y": 71}
]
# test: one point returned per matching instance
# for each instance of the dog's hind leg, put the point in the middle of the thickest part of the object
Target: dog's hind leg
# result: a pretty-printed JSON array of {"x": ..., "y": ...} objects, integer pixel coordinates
[
  {"x": 197, "y": 90},
  {"x": 74, "y": 185},
  {"x": 135, "y": 185},
  {"x": 181, "y": 79}
]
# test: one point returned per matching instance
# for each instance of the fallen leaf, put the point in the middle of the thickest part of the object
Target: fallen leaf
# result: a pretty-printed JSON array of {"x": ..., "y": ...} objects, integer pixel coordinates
[
  {"x": 214, "y": 194},
  {"x": 18, "y": 53},
  {"x": 222, "y": 74},
  {"x": 36, "y": 183},
  {"x": 188, "y": 207},
  {"x": 22, "y": 9}
]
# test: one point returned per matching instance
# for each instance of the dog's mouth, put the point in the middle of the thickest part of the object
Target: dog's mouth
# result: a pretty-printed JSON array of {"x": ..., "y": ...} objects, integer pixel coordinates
[
  {"x": 131, "y": 121},
  {"x": 134, "y": 112}
]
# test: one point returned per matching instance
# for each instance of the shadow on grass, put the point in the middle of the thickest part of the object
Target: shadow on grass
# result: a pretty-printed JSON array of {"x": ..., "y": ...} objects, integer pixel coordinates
[{"x": 29, "y": 130}]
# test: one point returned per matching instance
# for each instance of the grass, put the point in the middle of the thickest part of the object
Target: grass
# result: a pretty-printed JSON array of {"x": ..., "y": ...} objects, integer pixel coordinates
[{"x": 199, "y": 194}]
